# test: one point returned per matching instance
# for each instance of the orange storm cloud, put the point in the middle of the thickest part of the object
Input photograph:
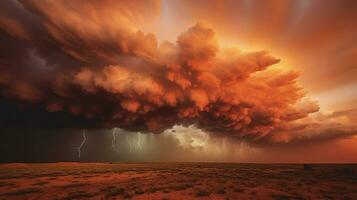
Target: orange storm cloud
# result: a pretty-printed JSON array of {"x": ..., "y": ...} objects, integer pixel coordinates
[
  {"x": 317, "y": 37},
  {"x": 100, "y": 61}
]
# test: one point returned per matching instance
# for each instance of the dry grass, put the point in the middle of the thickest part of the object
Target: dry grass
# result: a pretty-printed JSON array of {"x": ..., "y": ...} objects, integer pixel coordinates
[
  {"x": 79, "y": 194},
  {"x": 23, "y": 191},
  {"x": 114, "y": 192},
  {"x": 5, "y": 184},
  {"x": 177, "y": 181},
  {"x": 202, "y": 193}
]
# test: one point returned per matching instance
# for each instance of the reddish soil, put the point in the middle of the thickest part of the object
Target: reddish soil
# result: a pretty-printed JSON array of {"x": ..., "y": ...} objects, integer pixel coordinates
[{"x": 176, "y": 181}]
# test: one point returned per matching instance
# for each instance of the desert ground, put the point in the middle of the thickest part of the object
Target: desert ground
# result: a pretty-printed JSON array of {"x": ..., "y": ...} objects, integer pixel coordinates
[{"x": 177, "y": 181}]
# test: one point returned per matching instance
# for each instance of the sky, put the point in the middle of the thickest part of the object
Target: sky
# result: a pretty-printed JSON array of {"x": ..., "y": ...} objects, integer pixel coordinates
[{"x": 178, "y": 80}]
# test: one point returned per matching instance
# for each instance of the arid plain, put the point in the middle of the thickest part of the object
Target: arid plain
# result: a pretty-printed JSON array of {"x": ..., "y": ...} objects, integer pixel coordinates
[{"x": 177, "y": 181}]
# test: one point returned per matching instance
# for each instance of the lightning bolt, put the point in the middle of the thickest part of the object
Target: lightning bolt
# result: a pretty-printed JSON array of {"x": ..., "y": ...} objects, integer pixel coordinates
[
  {"x": 139, "y": 145},
  {"x": 82, "y": 143},
  {"x": 129, "y": 143},
  {"x": 135, "y": 143},
  {"x": 114, "y": 147}
]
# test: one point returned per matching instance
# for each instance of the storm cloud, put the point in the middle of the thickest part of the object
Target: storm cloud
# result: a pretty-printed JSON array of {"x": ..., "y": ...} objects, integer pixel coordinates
[{"x": 96, "y": 61}]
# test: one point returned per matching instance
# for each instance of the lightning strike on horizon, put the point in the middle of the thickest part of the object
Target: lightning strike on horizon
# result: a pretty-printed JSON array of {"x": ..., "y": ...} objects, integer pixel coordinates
[
  {"x": 114, "y": 141},
  {"x": 82, "y": 143},
  {"x": 135, "y": 143},
  {"x": 129, "y": 143},
  {"x": 139, "y": 145}
]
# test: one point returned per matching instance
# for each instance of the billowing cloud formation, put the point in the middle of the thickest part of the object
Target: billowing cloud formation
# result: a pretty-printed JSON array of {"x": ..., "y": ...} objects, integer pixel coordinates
[
  {"x": 92, "y": 59},
  {"x": 319, "y": 127}
]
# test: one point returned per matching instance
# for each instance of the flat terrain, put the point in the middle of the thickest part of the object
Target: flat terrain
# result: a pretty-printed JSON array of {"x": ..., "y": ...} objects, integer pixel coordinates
[{"x": 177, "y": 181}]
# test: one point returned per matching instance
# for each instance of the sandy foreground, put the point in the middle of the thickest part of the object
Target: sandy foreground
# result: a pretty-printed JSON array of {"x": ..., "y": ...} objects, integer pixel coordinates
[{"x": 176, "y": 181}]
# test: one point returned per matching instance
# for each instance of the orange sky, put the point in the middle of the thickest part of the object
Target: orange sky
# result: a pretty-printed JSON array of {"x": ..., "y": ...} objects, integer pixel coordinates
[
  {"x": 316, "y": 37},
  {"x": 110, "y": 61}
]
